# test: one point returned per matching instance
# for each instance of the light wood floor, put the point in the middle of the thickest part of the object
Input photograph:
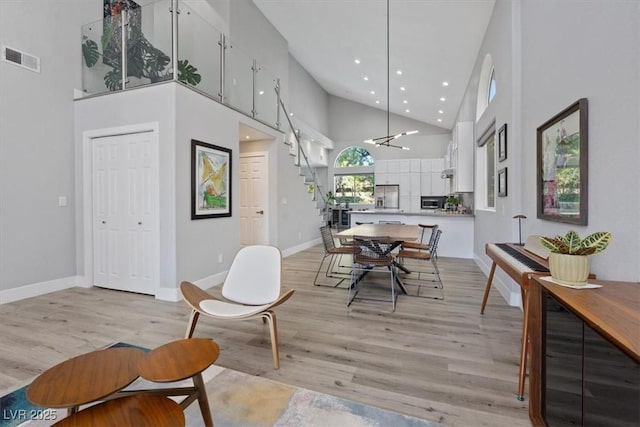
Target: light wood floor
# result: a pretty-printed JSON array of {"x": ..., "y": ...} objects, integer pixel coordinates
[{"x": 437, "y": 360}]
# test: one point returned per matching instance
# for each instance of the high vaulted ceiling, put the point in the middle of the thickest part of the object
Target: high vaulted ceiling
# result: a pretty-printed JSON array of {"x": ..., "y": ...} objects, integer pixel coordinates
[{"x": 430, "y": 41}]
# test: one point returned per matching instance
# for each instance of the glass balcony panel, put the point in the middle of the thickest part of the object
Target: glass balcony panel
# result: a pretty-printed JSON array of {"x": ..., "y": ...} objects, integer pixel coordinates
[
  {"x": 149, "y": 44},
  {"x": 266, "y": 107},
  {"x": 96, "y": 64},
  {"x": 238, "y": 82},
  {"x": 198, "y": 47}
]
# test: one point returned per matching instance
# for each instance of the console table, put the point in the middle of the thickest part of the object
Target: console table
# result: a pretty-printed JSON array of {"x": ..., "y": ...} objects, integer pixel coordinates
[{"x": 585, "y": 354}]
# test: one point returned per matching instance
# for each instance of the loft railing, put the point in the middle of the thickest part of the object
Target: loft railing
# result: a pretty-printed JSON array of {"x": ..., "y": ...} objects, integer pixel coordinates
[{"x": 168, "y": 40}]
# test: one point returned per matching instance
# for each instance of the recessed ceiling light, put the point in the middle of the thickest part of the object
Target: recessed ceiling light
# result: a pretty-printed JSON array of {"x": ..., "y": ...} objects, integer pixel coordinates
[
  {"x": 407, "y": 111},
  {"x": 247, "y": 137},
  {"x": 366, "y": 78},
  {"x": 440, "y": 120},
  {"x": 377, "y": 102},
  {"x": 443, "y": 99},
  {"x": 405, "y": 101},
  {"x": 402, "y": 88},
  {"x": 445, "y": 83},
  {"x": 357, "y": 61},
  {"x": 399, "y": 72},
  {"x": 440, "y": 112},
  {"x": 261, "y": 92},
  {"x": 291, "y": 114},
  {"x": 373, "y": 92}
]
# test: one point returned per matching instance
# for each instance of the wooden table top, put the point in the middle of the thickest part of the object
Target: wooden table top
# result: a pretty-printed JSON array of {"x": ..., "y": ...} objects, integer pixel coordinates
[
  {"x": 398, "y": 232},
  {"x": 139, "y": 410},
  {"x": 613, "y": 310},
  {"x": 85, "y": 378},
  {"x": 178, "y": 360}
]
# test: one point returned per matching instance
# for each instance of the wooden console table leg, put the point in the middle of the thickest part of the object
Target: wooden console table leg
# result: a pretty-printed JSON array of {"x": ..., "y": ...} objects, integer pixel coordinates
[
  {"x": 202, "y": 400},
  {"x": 524, "y": 347},
  {"x": 488, "y": 287}
]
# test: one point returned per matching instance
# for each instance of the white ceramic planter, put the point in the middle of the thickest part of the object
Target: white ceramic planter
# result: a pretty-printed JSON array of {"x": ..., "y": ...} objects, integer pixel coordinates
[{"x": 570, "y": 269}]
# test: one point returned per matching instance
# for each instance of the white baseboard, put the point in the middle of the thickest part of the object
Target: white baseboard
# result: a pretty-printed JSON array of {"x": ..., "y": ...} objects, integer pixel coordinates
[
  {"x": 174, "y": 295},
  {"x": 301, "y": 247},
  {"x": 164, "y": 294},
  {"x": 37, "y": 289},
  {"x": 512, "y": 297}
]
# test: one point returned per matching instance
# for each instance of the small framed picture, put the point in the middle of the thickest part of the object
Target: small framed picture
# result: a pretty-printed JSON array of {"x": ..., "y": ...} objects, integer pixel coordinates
[
  {"x": 502, "y": 143},
  {"x": 502, "y": 182}
]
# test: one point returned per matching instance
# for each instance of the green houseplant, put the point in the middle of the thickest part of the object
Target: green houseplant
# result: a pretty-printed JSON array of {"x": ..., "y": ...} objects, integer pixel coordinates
[
  {"x": 143, "y": 59},
  {"x": 569, "y": 261}
]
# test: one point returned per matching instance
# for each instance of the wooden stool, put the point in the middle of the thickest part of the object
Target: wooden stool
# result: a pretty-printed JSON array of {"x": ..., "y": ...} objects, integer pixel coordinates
[
  {"x": 85, "y": 378},
  {"x": 139, "y": 410},
  {"x": 179, "y": 360}
]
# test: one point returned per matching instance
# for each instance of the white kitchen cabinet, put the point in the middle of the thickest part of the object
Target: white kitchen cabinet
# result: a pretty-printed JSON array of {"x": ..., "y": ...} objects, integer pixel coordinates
[
  {"x": 425, "y": 184},
  {"x": 462, "y": 156},
  {"x": 380, "y": 166},
  {"x": 439, "y": 186},
  {"x": 404, "y": 180},
  {"x": 393, "y": 166},
  {"x": 414, "y": 166}
]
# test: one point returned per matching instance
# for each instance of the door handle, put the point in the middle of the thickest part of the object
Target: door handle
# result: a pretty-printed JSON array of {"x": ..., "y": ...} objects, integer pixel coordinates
[{"x": 260, "y": 212}]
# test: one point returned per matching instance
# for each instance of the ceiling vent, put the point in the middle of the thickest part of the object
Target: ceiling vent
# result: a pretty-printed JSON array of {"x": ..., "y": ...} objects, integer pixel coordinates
[{"x": 21, "y": 59}]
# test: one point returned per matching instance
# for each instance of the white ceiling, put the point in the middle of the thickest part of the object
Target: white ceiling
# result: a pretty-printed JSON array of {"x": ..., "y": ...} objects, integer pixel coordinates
[{"x": 431, "y": 41}]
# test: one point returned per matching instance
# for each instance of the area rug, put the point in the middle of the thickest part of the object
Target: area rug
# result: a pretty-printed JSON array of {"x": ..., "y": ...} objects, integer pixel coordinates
[{"x": 240, "y": 400}]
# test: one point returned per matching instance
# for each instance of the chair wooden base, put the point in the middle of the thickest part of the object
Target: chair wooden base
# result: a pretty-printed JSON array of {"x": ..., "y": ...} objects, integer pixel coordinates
[{"x": 193, "y": 295}]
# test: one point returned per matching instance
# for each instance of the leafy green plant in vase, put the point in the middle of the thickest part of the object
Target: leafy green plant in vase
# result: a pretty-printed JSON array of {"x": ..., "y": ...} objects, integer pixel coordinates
[{"x": 569, "y": 261}]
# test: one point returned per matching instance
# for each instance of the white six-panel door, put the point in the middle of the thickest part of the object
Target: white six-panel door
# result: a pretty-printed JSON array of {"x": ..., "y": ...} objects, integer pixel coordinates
[
  {"x": 125, "y": 212},
  {"x": 253, "y": 200}
]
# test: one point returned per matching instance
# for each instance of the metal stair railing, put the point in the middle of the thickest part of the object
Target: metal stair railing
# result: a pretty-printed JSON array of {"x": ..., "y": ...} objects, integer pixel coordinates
[{"x": 309, "y": 172}]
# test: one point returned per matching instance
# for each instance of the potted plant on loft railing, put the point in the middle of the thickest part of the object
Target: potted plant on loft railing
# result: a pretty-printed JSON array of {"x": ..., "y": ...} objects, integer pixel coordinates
[
  {"x": 143, "y": 59},
  {"x": 569, "y": 260}
]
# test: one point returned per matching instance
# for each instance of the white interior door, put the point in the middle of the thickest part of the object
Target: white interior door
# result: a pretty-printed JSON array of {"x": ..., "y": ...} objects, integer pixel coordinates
[
  {"x": 254, "y": 191},
  {"x": 125, "y": 212}
]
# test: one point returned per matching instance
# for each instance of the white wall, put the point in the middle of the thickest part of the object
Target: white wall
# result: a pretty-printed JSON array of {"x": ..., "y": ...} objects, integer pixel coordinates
[
  {"x": 590, "y": 50},
  {"x": 548, "y": 55},
  {"x": 307, "y": 100},
  {"x": 350, "y": 123},
  {"x": 37, "y": 238}
]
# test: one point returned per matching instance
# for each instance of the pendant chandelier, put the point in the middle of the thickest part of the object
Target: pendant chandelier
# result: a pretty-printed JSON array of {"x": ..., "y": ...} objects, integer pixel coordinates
[{"x": 385, "y": 141}]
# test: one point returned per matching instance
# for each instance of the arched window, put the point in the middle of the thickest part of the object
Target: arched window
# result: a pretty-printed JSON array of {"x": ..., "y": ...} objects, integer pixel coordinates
[
  {"x": 353, "y": 179},
  {"x": 492, "y": 86},
  {"x": 486, "y": 87}
]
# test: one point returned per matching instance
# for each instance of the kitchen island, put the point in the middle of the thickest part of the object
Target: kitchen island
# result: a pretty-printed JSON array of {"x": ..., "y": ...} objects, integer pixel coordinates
[{"x": 457, "y": 229}]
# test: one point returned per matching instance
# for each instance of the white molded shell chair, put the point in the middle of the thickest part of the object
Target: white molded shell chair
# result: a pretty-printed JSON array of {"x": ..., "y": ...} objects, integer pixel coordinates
[{"x": 251, "y": 289}]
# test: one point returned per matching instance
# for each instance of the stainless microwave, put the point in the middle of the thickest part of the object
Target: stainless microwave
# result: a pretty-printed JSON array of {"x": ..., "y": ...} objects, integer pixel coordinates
[{"x": 432, "y": 202}]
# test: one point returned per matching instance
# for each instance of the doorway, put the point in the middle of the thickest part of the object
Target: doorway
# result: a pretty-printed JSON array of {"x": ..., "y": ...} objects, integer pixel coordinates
[
  {"x": 125, "y": 211},
  {"x": 256, "y": 202},
  {"x": 254, "y": 190}
]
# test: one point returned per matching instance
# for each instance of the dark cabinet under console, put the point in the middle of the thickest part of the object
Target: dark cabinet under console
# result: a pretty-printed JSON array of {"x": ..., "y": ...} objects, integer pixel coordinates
[{"x": 585, "y": 355}]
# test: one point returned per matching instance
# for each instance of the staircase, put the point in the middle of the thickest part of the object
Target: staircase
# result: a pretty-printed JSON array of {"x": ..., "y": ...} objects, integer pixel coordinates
[{"x": 301, "y": 160}]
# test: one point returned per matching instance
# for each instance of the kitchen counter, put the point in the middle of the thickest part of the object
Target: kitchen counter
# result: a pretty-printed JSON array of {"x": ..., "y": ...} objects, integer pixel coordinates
[
  {"x": 423, "y": 212},
  {"x": 457, "y": 229}
]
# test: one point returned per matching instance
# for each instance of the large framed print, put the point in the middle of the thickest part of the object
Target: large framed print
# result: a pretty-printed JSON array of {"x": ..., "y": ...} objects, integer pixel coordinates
[
  {"x": 562, "y": 166},
  {"x": 502, "y": 143},
  {"x": 210, "y": 180}
]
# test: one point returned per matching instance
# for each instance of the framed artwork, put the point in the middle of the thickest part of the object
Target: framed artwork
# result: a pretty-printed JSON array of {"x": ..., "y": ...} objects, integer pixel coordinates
[
  {"x": 502, "y": 182},
  {"x": 562, "y": 166},
  {"x": 502, "y": 143},
  {"x": 210, "y": 180}
]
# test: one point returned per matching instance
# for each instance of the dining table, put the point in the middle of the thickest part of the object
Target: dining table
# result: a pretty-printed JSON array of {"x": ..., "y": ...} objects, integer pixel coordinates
[{"x": 398, "y": 233}]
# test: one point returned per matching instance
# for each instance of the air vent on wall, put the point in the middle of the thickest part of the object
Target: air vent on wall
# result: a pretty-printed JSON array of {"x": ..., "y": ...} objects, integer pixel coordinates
[{"x": 21, "y": 59}]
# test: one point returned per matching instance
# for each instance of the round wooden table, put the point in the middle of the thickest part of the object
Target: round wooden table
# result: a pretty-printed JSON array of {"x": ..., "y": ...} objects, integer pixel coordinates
[
  {"x": 139, "y": 410},
  {"x": 179, "y": 360},
  {"x": 86, "y": 378}
]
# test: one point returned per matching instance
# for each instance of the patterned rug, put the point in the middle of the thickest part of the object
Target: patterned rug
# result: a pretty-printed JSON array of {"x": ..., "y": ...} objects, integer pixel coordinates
[{"x": 239, "y": 400}]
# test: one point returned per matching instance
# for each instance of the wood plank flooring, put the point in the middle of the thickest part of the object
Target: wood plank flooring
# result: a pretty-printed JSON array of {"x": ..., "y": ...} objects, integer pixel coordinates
[{"x": 437, "y": 360}]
